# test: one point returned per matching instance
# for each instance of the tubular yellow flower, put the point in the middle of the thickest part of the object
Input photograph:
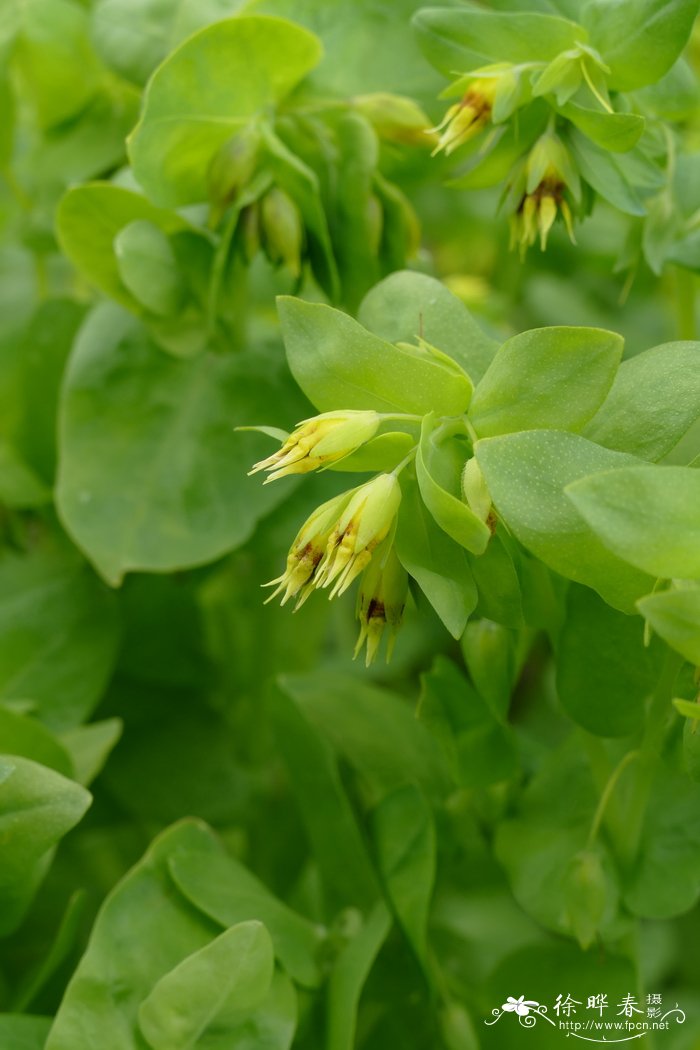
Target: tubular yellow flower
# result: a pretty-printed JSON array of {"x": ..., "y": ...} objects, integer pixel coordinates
[
  {"x": 380, "y": 603},
  {"x": 307, "y": 550},
  {"x": 466, "y": 118},
  {"x": 318, "y": 442},
  {"x": 541, "y": 194},
  {"x": 361, "y": 527}
]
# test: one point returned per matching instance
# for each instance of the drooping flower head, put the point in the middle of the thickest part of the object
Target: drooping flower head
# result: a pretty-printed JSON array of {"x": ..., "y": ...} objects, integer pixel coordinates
[
  {"x": 364, "y": 523},
  {"x": 307, "y": 551},
  {"x": 320, "y": 441},
  {"x": 380, "y": 602},
  {"x": 540, "y": 192},
  {"x": 466, "y": 118}
]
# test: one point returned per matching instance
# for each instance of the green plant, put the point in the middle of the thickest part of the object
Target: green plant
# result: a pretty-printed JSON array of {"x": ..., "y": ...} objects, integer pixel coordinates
[{"x": 217, "y": 830}]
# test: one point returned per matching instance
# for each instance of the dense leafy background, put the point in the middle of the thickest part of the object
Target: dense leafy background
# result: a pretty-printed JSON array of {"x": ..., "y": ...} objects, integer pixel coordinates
[{"x": 203, "y": 801}]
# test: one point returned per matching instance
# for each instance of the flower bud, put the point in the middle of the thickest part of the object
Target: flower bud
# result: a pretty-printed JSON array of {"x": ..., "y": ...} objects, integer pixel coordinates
[
  {"x": 361, "y": 527},
  {"x": 380, "y": 602},
  {"x": 232, "y": 167},
  {"x": 319, "y": 442},
  {"x": 248, "y": 233},
  {"x": 307, "y": 550},
  {"x": 395, "y": 118},
  {"x": 282, "y": 230}
]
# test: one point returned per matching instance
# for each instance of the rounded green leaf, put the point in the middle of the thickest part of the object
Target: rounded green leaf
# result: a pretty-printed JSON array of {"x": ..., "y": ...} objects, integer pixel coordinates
[
  {"x": 653, "y": 402},
  {"x": 675, "y": 616},
  {"x": 407, "y": 305},
  {"x": 152, "y": 474},
  {"x": 339, "y": 364},
  {"x": 232, "y": 971},
  {"x": 648, "y": 515},
  {"x": 216, "y": 81},
  {"x": 148, "y": 267},
  {"x": 617, "y": 132},
  {"x": 553, "y": 378},
  {"x": 604, "y": 672},
  {"x": 526, "y": 475},
  {"x": 450, "y": 512},
  {"x": 91, "y": 219}
]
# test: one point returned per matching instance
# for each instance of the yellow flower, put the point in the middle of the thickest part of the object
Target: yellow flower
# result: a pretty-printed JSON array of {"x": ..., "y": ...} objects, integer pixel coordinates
[
  {"x": 466, "y": 118},
  {"x": 380, "y": 602},
  {"x": 540, "y": 192},
  {"x": 318, "y": 442},
  {"x": 307, "y": 550},
  {"x": 361, "y": 527}
]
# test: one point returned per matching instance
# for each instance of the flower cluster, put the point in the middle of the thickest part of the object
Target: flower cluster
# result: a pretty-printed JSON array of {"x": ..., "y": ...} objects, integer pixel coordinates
[
  {"x": 541, "y": 189},
  {"x": 347, "y": 537}
]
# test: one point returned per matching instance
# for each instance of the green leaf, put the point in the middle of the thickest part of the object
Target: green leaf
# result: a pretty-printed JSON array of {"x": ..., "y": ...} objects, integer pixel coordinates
[
  {"x": 447, "y": 507},
  {"x": 20, "y": 487},
  {"x": 148, "y": 267},
  {"x": 89, "y": 747},
  {"x": 617, "y": 132},
  {"x": 58, "y": 634},
  {"x": 23, "y": 1032},
  {"x": 490, "y": 655},
  {"x": 349, "y": 975},
  {"x": 371, "y": 728},
  {"x": 133, "y": 36},
  {"x": 675, "y": 616},
  {"x": 209, "y": 87},
  {"x": 382, "y": 453},
  {"x": 408, "y": 305},
  {"x": 336, "y": 841},
  {"x": 653, "y": 402},
  {"x": 404, "y": 837},
  {"x": 460, "y": 40},
  {"x": 526, "y": 475},
  {"x": 553, "y": 378},
  {"x": 143, "y": 930},
  {"x": 648, "y": 515},
  {"x": 607, "y": 175},
  {"x": 664, "y": 882},
  {"x": 152, "y": 474},
  {"x": 479, "y": 750},
  {"x": 540, "y": 845},
  {"x": 22, "y": 735},
  {"x": 37, "y": 808},
  {"x": 91, "y": 219},
  {"x": 604, "y": 672},
  {"x": 438, "y": 564},
  {"x": 234, "y": 969},
  {"x": 58, "y": 69},
  {"x": 339, "y": 364},
  {"x": 228, "y": 893},
  {"x": 639, "y": 39}
]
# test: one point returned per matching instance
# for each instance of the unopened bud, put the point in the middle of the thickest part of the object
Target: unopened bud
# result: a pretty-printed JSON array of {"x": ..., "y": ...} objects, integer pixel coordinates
[
  {"x": 232, "y": 167},
  {"x": 282, "y": 230},
  {"x": 248, "y": 233},
  {"x": 395, "y": 118}
]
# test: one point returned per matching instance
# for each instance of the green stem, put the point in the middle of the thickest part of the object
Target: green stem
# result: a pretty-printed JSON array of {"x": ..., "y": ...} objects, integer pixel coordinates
[
  {"x": 648, "y": 757},
  {"x": 685, "y": 303},
  {"x": 218, "y": 269},
  {"x": 606, "y": 795}
]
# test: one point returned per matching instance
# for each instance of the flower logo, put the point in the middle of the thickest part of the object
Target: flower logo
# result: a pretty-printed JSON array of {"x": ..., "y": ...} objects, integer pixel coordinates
[{"x": 520, "y": 1006}]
